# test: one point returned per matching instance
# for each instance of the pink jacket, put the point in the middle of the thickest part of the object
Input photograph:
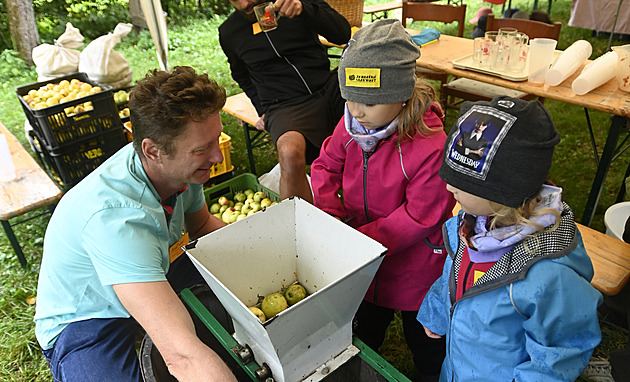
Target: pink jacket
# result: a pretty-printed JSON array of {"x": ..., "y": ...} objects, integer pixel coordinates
[{"x": 395, "y": 197}]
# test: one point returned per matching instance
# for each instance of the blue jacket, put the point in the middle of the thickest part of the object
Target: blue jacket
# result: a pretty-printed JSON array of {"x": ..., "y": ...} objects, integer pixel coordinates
[{"x": 531, "y": 317}]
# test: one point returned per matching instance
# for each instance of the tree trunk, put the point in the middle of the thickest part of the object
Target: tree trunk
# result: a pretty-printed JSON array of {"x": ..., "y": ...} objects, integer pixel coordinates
[{"x": 21, "y": 19}]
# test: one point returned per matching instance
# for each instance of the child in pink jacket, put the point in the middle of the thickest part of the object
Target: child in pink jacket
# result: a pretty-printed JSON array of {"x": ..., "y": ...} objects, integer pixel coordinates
[{"x": 379, "y": 172}]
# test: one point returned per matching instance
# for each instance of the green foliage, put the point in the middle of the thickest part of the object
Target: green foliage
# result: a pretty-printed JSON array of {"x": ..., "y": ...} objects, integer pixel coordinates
[{"x": 92, "y": 18}]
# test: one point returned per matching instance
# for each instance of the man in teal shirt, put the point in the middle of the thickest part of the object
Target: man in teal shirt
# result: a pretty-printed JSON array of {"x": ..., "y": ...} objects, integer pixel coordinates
[{"x": 114, "y": 242}]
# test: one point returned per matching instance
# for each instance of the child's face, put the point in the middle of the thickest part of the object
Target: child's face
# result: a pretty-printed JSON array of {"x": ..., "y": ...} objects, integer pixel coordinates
[
  {"x": 374, "y": 116},
  {"x": 471, "y": 204}
]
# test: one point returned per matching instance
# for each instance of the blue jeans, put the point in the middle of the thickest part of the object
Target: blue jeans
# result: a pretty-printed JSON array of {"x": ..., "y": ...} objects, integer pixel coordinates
[
  {"x": 96, "y": 350},
  {"x": 104, "y": 349}
]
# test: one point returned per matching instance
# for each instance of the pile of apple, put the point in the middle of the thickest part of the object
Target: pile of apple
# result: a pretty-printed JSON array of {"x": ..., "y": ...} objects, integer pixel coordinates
[
  {"x": 275, "y": 303},
  {"x": 244, "y": 204},
  {"x": 119, "y": 97},
  {"x": 53, "y": 94}
]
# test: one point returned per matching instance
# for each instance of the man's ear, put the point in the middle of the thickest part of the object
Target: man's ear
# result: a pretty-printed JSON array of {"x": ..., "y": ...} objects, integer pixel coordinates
[{"x": 150, "y": 150}]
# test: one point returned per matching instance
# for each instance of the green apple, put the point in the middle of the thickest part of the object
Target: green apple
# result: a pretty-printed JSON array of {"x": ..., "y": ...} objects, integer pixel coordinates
[
  {"x": 259, "y": 195},
  {"x": 273, "y": 304},
  {"x": 245, "y": 209},
  {"x": 223, "y": 208},
  {"x": 218, "y": 216},
  {"x": 234, "y": 216},
  {"x": 241, "y": 216},
  {"x": 266, "y": 202},
  {"x": 240, "y": 197},
  {"x": 249, "y": 192},
  {"x": 225, "y": 216},
  {"x": 294, "y": 294},
  {"x": 214, "y": 208},
  {"x": 255, "y": 206},
  {"x": 224, "y": 201},
  {"x": 258, "y": 313},
  {"x": 238, "y": 206}
]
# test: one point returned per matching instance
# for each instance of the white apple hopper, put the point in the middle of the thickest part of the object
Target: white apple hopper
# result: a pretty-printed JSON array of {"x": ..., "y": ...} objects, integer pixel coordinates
[{"x": 291, "y": 241}]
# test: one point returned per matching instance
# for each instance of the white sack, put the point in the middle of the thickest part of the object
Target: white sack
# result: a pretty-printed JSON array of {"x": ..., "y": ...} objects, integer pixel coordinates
[
  {"x": 59, "y": 59},
  {"x": 103, "y": 64}
]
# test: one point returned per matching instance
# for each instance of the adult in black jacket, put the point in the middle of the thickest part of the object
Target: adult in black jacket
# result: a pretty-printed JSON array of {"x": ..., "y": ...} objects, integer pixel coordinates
[{"x": 286, "y": 74}]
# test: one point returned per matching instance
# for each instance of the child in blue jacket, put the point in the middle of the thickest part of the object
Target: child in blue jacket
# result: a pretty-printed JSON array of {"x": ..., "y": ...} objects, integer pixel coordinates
[{"x": 514, "y": 300}]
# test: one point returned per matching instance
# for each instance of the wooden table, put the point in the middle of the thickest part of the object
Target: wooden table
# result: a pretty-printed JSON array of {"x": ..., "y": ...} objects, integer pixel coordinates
[
  {"x": 606, "y": 98},
  {"x": 30, "y": 190}
]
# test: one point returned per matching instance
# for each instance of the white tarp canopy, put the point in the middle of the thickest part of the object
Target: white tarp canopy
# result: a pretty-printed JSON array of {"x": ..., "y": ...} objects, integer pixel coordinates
[{"x": 156, "y": 21}]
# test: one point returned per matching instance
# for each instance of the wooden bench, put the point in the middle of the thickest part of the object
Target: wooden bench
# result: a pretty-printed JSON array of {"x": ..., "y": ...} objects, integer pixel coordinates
[
  {"x": 373, "y": 9},
  {"x": 610, "y": 258},
  {"x": 241, "y": 107},
  {"x": 30, "y": 190}
]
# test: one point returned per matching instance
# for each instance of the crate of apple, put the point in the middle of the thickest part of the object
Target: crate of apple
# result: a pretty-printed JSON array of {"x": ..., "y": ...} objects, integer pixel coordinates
[{"x": 241, "y": 206}]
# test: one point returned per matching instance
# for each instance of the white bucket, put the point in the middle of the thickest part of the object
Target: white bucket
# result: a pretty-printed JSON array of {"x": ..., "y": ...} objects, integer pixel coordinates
[{"x": 615, "y": 219}]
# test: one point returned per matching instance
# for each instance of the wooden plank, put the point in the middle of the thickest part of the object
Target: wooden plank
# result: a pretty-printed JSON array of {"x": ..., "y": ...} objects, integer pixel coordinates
[
  {"x": 610, "y": 258},
  {"x": 241, "y": 107},
  {"x": 382, "y": 7},
  {"x": 31, "y": 189}
]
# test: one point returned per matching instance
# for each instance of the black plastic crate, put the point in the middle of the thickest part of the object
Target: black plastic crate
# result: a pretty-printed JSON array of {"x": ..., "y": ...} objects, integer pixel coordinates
[
  {"x": 74, "y": 162},
  {"x": 57, "y": 130}
]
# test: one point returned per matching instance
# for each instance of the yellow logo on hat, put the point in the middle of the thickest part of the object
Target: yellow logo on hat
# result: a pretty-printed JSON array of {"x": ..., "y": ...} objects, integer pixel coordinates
[{"x": 363, "y": 77}]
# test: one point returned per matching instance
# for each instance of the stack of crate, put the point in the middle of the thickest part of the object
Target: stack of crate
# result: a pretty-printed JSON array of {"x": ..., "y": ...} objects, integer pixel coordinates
[{"x": 72, "y": 139}]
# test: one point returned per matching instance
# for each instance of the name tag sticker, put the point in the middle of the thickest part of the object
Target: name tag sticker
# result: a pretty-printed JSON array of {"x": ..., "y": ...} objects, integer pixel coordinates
[
  {"x": 363, "y": 77},
  {"x": 256, "y": 28},
  {"x": 176, "y": 249}
]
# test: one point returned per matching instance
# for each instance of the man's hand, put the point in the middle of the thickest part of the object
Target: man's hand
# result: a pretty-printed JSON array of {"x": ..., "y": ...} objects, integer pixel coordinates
[
  {"x": 288, "y": 8},
  {"x": 260, "y": 124}
]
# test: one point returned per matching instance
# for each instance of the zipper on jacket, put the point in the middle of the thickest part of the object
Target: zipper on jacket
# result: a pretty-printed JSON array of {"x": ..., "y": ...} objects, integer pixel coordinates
[
  {"x": 366, "y": 157},
  {"x": 290, "y": 64}
]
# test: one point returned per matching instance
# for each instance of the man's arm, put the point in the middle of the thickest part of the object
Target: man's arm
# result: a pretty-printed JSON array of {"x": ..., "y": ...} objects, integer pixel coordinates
[
  {"x": 326, "y": 21},
  {"x": 160, "y": 312},
  {"x": 202, "y": 222}
]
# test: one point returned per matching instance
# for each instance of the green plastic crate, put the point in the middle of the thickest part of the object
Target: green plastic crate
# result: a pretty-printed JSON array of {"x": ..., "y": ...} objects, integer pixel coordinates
[{"x": 237, "y": 184}]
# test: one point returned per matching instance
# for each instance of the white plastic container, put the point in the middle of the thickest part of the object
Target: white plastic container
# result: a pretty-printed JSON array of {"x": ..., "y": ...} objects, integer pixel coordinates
[
  {"x": 615, "y": 219},
  {"x": 596, "y": 73},
  {"x": 568, "y": 62},
  {"x": 266, "y": 252}
]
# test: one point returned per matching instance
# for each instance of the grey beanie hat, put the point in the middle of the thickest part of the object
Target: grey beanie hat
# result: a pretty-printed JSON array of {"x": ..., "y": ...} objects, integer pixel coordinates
[
  {"x": 378, "y": 66},
  {"x": 500, "y": 150}
]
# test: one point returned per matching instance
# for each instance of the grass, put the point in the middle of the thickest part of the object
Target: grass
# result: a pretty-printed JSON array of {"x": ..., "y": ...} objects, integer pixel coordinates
[{"x": 194, "y": 42}]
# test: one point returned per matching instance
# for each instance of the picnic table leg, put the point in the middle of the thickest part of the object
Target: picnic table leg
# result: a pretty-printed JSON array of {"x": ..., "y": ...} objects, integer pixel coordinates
[
  {"x": 14, "y": 243},
  {"x": 250, "y": 146},
  {"x": 617, "y": 126}
]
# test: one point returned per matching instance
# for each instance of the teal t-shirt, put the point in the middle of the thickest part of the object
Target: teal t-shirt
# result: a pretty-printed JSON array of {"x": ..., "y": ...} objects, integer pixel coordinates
[{"x": 109, "y": 229}]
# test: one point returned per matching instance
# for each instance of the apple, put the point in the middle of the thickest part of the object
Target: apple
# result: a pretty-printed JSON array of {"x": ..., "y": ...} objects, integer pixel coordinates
[
  {"x": 214, "y": 208},
  {"x": 240, "y": 197},
  {"x": 249, "y": 192},
  {"x": 294, "y": 294},
  {"x": 223, "y": 201},
  {"x": 273, "y": 304},
  {"x": 218, "y": 216},
  {"x": 223, "y": 208},
  {"x": 234, "y": 216},
  {"x": 258, "y": 313},
  {"x": 255, "y": 206},
  {"x": 245, "y": 209},
  {"x": 266, "y": 202},
  {"x": 259, "y": 195},
  {"x": 241, "y": 216},
  {"x": 225, "y": 216},
  {"x": 238, "y": 206}
]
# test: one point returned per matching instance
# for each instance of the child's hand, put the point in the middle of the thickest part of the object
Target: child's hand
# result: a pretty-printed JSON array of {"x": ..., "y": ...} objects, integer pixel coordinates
[{"x": 430, "y": 334}]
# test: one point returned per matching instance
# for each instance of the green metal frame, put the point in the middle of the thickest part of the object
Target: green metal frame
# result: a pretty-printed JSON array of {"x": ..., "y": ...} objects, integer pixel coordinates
[{"x": 378, "y": 363}]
